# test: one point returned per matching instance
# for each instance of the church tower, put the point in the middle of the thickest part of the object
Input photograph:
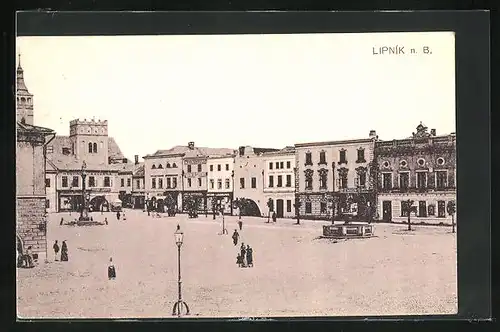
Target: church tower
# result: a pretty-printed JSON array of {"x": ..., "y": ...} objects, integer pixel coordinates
[
  {"x": 24, "y": 105},
  {"x": 90, "y": 140}
]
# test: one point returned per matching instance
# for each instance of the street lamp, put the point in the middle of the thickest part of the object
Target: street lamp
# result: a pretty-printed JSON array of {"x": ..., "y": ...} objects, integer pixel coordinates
[
  {"x": 224, "y": 230},
  {"x": 84, "y": 213},
  {"x": 296, "y": 198},
  {"x": 333, "y": 192},
  {"x": 179, "y": 238}
]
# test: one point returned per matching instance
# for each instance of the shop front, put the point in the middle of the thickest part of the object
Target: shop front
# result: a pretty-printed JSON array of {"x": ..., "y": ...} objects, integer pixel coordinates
[
  {"x": 199, "y": 196},
  {"x": 224, "y": 200}
]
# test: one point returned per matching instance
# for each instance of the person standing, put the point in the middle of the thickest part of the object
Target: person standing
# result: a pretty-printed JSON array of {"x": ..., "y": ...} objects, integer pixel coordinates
[
  {"x": 274, "y": 216},
  {"x": 111, "y": 270},
  {"x": 62, "y": 220},
  {"x": 240, "y": 224},
  {"x": 242, "y": 254},
  {"x": 249, "y": 256},
  {"x": 56, "y": 250},
  {"x": 118, "y": 215},
  {"x": 235, "y": 237},
  {"x": 64, "y": 252},
  {"x": 28, "y": 258}
]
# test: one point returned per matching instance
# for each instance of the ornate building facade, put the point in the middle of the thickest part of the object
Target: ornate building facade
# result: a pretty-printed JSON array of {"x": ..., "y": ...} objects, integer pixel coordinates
[
  {"x": 279, "y": 181},
  {"x": 221, "y": 182},
  {"x": 336, "y": 179},
  {"x": 421, "y": 168}
]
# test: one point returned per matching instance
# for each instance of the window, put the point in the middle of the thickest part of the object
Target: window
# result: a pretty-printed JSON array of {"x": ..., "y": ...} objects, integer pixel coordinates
[
  {"x": 309, "y": 181},
  {"x": 288, "y": 180},
  {"x": 242, "y": 183},
  {"x": 168, "y": 165},
  {"x": 342, "y": 157},
  {"x": 421, "y": 180},
  {"x": 403, "y": 209},
  {"x": 219, "y": 183},
  {"x": 289, "y": 205},
  {"x": 212, "y": 184},
  {"x": 128, "y": 182},
  {"x": 91, "y": 181},
  {"x": 227, "y": 167},
  {"x": 361, "y": 156},
  {"x": 153, "y": 183},
  {"x": 362, "y": 180},
  {"x": 343, "y": 182},
  {"x": 47, "y": 204},
  {"x": 189, "y": 168},
  {"x": 189, "y": 182},
  {"x": 228, "y": 185},
  {"x": 122, "y": 182},
  {"x": 199, "y": 167},
  {"x": 421, "y": 162},
  {"x": 107, "y": 182},
  {"x": 280, "y": 180},
  {"x": 404, "y": 179},
  {"x": 174, "y": 165},
  {"x": 323, "y": 180},
  {"x": 138, "y": 184},
  {"x": 288, "y": 164},
  {"x": 387, "y": 180},
  {"x": 160, "y": 183},
  {"x": 308, "y": 207},
  {"x": 160, "y": 166},
  {"x": 431, "y": 210},
  {"x": 90, "y": 147},
  {"x": 211, "y": 168},
  {"x": 75, "y": 182},
  {"x": 219, "y": 168},
  {"x": 199, "y": 182},
  {"x": 47, "y": 182},
  {"x": 174, "y": 182},
  {"x": 422, "y": 209},
  {"x": 95, "y": 147},
  {"x": 441, "y": 179},
  {"x": 169, "y": 183},
  {"x": 277, "y": 165},
  {"x": 271, "y": 181},
  {"x": 441, "y": 209},
  {"x": 322, "y": 207},
  {"x": 440, "y": 161},
  {"x": 322, "y": 157},
  {"x": 64, "y": 181},
  {"x": 308, "y": 158},
  {"x": 403, "y": 163},
  {"x": 270, "y": 165},
  {"x": 282, "y": 165},
  {"x": 65, "y": 151},
  {"x": 153, "y": 167},
  {"x": 254, "y": 182}
]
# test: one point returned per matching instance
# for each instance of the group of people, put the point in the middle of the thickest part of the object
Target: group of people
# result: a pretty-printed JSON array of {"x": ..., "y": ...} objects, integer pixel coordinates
[
  {"x": 25, "y": 259},
  {"x": 245, "y": 257},
  {"x": 64, "y": 251}
]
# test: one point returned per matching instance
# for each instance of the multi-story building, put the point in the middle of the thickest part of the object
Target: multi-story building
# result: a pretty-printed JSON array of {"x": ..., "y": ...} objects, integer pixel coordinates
[
  {"x": 87, "y": 142},
  {"x": 31, "y": 197},
  {"x": 249, "y": 165},
  {"x": 221, "y": 182},
  {"x": 336, "y": 178},
  {"x": 127, "y": 173},
  {"x": 421, "y": 168},
  {"x": 279, "y": 181},
  {"x": 138, "y": 186}
]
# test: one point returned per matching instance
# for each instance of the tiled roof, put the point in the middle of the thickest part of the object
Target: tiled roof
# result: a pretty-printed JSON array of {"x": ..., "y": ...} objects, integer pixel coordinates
[
  {"x": 138, "y": 170},
  {"x": 27, "y": 127},
  {"x": 191, "y": 153},
  {"x": 285, "y": 150},
  {"x": 114, "y": 150},
  {"x": 178, "y": 149},
  {"x": 263, "y": 150}
]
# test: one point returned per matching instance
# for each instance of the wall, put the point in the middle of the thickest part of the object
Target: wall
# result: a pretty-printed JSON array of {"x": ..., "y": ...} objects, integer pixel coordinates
[
  {"x": 224, "y": 174},
  {"x": 51, "y": 192},
  {"x": 30, "y": 214},
  {"x": 284, "y": 193}
]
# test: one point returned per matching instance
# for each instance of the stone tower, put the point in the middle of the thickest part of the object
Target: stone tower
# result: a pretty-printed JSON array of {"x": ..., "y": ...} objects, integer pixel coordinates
[
  {"x": 24, "y": 105},
  {"x": 89, "y": 140}
]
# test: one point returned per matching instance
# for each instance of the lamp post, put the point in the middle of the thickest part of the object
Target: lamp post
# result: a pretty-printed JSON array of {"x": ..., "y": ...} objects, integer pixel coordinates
[
  {"x": 296, "y": 198},
  {"x": 221, "y": 209},
  {"x": 84, "y": 213},
  {"x": 333, "y": 192},
  {"x": 179, "y": 238}
]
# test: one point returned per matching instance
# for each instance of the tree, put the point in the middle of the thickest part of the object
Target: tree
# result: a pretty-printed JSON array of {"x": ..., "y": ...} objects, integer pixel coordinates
[
  {"x": 270, "y": 207},
  {"x": 452, "y": 208},
  {"x": 297, "y": 209},
  {"x": 408, "y": 209}
]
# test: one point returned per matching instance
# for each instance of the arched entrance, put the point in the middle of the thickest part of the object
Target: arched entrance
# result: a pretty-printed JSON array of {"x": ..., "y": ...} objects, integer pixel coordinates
[
  {"x": 99, "y": 202},
  {"x": 250, "y": 208}
]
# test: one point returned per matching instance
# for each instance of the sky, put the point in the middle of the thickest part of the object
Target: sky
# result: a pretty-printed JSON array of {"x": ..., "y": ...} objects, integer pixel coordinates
[{"x": 232, "y": 90}]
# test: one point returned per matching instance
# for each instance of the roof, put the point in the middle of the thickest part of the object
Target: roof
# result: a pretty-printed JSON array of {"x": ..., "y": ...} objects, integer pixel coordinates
[
  {"x": 114, "y": 150},
  {"x": 138, "y": 170},
  {"x": 21, "y": 88},
  {"x": 185, "y": 151},
  {"x": 286, "y": 150},
  {"x": 176, "y": 150},
  {"x": 263, "y": 150},
  {"x": 24, "y": 127},
  {"x": 349, "y": 141}
]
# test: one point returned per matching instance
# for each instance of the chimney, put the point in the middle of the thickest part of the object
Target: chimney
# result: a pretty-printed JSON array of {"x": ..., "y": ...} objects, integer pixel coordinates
[
  {"x": 433, "y": 132},
  {"x": 373, "y": 134},
  {"x": 242, "y": 150},
  {"x": 136, "y": 158},
  {"x": 191, "y": 145}
]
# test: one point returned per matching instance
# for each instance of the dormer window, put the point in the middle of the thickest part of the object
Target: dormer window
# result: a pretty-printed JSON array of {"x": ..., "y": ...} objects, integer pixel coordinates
[
  {"x": 153, "y": 167},
  {"x": 174, "y": 165},
  {"x": 168, "y": 165},
  {"x": 160, "y": 166}
]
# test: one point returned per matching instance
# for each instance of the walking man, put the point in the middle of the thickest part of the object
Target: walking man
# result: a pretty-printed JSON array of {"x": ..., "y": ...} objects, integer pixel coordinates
[
  {"x": 249, "y": 256},
  {"x": 56, "y": 250},
  {"x": 243, "y": 254},
  {"x": 235, "y": 237},
  {"x": 111, "y": 270},
  {"x": 240, "y": 223}
]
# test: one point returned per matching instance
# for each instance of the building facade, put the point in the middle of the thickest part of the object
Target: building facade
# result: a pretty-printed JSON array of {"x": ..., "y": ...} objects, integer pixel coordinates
[
  {"x": 279, "y": 181},
  {"x": 336, "y": 179},
  {"x": 249, "y": 165},
  {"x": 31, "y": 197},
  {"x": 421, "y": 168},
  {"x": 221, "y": 182},
  {"x": 138, "y": 185},
  {"x": 88, "y": 142}
]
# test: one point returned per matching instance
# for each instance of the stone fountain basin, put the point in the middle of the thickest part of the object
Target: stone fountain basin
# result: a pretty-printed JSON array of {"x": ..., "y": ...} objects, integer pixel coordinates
[{"x": 351, "y": 230}]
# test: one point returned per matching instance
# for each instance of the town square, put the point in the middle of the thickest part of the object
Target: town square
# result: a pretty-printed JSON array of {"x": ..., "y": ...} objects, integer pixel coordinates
[{"x": 139, "y": 202}]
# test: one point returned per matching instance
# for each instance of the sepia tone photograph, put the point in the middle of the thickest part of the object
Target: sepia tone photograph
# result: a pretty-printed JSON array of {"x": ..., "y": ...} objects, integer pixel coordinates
[{"x": 229, "y": 176}]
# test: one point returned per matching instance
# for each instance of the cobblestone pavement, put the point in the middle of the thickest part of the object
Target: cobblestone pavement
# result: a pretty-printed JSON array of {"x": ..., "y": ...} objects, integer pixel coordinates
[{"x": 295, "y": 274}]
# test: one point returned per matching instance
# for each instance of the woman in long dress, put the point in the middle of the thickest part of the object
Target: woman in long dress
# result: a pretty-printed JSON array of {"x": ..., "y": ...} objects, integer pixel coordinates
[{"x": 64, "y": 252}]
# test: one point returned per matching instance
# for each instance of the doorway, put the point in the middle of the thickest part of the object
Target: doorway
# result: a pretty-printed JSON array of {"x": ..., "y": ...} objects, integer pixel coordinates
[
  {"x": 387, "y": 211},
  {"x": 279, "y": 208}
]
